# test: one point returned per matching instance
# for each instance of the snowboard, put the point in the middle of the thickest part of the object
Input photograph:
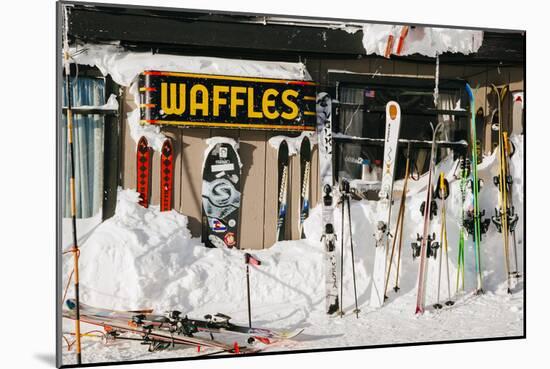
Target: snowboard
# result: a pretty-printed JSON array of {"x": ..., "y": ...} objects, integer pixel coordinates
[
  {"x": 282, "y": 199},
  {"x": 221, "y": 196},
  {"x": 305, "y": 179},
  {"x": 166, "y": 176},
  {"x": 324, "y": 135},
  {"x": 143, "y": 175},
  {"x": 383, "y": 209}
]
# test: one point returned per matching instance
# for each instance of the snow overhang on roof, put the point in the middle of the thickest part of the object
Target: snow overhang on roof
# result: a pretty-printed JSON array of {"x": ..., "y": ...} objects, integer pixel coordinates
[{"x": 124, "y": 66}]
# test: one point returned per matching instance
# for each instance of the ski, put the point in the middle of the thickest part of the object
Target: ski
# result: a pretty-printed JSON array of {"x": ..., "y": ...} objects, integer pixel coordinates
[
  {"x": 143, "y": 171},
  {"x": 426, "y": 247},
  {"x": 382, "y": 236},
  {"x": 442, "y": 193},
  {"x": 174, "y": 321},
  {"x": 283, "y": 167},
  {"x": 505, "y": 217},
  {"x": 324, "y": 134},
  {"x": 305, "y": 179},
  {"x": 166, "y": 176},
  {"x": 475, "y": 215},
  {"x": 463, "y": 176}
]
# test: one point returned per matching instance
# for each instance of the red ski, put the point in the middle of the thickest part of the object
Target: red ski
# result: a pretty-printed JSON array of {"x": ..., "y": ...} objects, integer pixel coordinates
[
  {"x": 143, "y": 165},
  {"x": 166, "y": 176}
]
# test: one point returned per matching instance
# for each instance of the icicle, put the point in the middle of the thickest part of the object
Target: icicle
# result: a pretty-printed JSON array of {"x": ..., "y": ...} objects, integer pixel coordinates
[{"x": 436, "y": 88}]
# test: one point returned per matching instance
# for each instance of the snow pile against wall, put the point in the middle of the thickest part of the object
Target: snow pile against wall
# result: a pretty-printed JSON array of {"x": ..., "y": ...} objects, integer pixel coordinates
[
  {"x": 147, "y": 258},
  {"x": 125, "y": 66},
  {"x": 429, "y": 41}
]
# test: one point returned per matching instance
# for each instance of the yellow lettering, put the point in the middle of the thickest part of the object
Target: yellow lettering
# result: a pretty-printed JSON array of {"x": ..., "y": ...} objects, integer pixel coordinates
[
  {"x": 235, "y": 100},
  {"x": 177, "y": 102},
  {"x": 267, "y": 103},
  {"x": 291, "y": 104},
  {"x": 194, "y": 104},
  {"x": 251, "y": 112},
  {"x": 218, "y": 100}
]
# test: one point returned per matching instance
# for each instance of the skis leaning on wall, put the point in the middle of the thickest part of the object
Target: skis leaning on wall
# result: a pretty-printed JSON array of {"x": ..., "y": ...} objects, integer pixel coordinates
[
  {"x": 143, "y": 171},
  {"x": 324, "y": 134},
  {"x": 166, "y": 176},
  {"x": 383, "y": 211},
  {"x": 305, "y": 180},
  {"x": 426, "y": 246},
  {"x": 282, "y": 198},
  {"x": 505, "y": 218}
]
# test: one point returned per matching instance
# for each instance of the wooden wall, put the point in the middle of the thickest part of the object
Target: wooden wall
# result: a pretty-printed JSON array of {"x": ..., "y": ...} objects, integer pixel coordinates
[
  {"x": 259, "y": 172},
  {"x": 258, "y": 216}
]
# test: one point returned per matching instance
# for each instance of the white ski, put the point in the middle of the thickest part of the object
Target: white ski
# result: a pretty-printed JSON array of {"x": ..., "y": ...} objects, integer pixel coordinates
[
  {"x": 324, "y": 134},
  {"x": 383, "y": 211}
]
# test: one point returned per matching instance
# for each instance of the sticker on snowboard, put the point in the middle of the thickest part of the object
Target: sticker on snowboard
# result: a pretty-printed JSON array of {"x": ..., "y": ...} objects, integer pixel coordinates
[
  {"x": 143, "y": 175},
  {"x": 221, "y": 197}
]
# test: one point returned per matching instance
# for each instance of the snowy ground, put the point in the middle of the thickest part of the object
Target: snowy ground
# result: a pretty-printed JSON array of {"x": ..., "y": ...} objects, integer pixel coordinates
[{"x": 144, "y": 258}]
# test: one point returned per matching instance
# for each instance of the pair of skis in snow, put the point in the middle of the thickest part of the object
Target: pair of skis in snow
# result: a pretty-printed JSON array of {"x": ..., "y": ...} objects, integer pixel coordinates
[
  {"x": 173, "y": 328},
  {"x": 324, "y": 131},
  {"x": 505, "y": 218},
  {"x": 143, "y": 173}
]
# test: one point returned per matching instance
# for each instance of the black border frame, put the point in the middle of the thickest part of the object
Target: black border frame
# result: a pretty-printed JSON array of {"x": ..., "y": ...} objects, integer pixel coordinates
[{"x": 58, "y": 287}]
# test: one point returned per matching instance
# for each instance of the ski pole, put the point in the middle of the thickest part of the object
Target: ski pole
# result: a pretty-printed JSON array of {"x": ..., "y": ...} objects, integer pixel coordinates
[
  {"x": 75, "y": 250},
  {"x": 356, "y": 311},
  {"x": 249, "y": 259},
  {"x": 342, "y": 254}
]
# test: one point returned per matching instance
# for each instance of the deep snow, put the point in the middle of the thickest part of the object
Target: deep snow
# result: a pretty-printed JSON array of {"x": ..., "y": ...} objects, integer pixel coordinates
[{"x": 145, "y": 258}]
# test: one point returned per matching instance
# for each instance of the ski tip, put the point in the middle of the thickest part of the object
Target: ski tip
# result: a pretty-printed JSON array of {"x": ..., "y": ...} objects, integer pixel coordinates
[
  {"x": 419, "y": 310},
  {"x": 469, "y": 92}
]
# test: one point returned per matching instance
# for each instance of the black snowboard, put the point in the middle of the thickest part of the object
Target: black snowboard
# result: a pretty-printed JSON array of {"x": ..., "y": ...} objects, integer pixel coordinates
[{"x": 221, "y": 197}]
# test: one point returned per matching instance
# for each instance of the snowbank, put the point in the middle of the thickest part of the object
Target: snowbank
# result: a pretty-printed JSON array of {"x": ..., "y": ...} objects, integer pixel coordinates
[
  {"x": 429, "y": 41},
  {"x": 147, "y": 258}
]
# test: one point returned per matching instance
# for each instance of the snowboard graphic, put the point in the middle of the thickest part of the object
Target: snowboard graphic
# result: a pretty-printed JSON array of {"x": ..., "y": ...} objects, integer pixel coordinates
[
  {"x": 283, "y": 190},
  {"x": 143, "y": 175},
  {"x": 166, "y": 176},
  {"x": 305, "y": 175},
  {"x": 221, "y": 197}
]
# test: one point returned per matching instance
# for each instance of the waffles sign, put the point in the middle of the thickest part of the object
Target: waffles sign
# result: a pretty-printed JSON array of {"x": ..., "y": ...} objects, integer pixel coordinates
[{"x": 201, "y": 100}]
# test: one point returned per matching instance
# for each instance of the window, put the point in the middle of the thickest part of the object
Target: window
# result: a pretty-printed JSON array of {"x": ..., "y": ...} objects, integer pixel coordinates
[
  {"x": 361, "y": 115},
  {"x": 88, "y": 139}
]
